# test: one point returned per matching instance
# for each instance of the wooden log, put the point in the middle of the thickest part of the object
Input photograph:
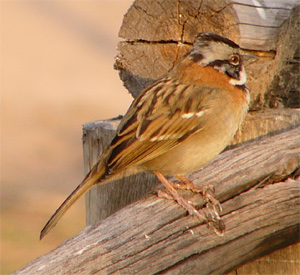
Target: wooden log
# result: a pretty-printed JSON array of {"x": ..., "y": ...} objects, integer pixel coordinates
[
  {"x": 158, "y": 33},
  {"x": 253, "y": 24},
  {"x": 154, "y": 235}
]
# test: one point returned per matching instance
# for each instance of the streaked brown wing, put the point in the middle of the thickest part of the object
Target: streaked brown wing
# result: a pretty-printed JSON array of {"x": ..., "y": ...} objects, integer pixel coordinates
[{"x": 152, "y": 125}]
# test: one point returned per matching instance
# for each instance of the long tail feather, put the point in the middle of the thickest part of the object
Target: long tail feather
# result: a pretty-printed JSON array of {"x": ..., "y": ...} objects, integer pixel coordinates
[{"x": 83, "y": 187}]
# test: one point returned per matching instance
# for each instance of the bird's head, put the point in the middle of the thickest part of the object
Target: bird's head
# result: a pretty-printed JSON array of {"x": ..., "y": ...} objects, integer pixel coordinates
[{"x": 223, "y": 55}]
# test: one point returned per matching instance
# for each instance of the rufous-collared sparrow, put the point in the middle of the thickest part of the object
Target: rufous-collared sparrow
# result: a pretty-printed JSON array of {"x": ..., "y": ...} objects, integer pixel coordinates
[{"x": 179, "y": 123}]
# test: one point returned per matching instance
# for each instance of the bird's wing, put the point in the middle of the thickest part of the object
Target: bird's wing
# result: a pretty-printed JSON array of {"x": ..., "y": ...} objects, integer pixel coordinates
[
  {"x": 163, "y": 116},
  {"x": 157, "y": 121}
]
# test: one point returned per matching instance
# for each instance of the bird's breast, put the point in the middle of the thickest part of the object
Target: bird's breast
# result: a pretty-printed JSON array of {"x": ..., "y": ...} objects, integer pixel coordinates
[{"x": 196, "y": 151}]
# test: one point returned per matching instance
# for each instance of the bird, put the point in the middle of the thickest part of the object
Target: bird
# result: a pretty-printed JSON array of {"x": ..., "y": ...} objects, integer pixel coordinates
[{"x": 179, "y": 123}]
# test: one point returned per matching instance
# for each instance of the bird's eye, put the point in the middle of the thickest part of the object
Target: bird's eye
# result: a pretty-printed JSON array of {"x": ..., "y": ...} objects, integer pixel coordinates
[{"x": 234, "y": 60}]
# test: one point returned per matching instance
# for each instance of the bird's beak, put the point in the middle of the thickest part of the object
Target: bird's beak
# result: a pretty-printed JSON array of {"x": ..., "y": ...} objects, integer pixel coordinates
[{"x": 249, "y": 58}]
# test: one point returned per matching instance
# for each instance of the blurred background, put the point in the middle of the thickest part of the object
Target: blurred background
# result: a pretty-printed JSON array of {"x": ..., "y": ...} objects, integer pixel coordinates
[{"x": 56, "y": 74}]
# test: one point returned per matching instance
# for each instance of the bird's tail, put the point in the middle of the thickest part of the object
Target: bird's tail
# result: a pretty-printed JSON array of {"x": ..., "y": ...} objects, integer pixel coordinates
[{"x": 95, "y": 176}]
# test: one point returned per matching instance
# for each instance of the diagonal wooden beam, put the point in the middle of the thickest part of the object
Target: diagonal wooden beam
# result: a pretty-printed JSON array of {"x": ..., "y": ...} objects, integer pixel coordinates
[{"x": 154, "y": 235}]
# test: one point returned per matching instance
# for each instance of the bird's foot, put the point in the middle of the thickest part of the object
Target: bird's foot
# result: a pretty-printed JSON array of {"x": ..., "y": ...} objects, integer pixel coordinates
[
  {"x": 213, "y": 206},
  {"x": 174, "y": 195},
  {"x": 207, "y": 192}
]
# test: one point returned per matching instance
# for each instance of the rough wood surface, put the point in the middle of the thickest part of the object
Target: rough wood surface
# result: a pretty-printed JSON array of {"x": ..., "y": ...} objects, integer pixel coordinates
[
  {"x": 157, "y": 33},
  {"x": 259, "y": 22},
  {"x": 173, "y": 20},
  {"x": 153, "y": 235}
]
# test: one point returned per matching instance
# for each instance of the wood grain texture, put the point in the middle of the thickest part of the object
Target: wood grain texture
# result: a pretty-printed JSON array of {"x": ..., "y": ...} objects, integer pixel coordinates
[
  {"x": 158, "y": 33},
  {"x": 259, "y": 22},
  {"x": 154, "y": 235}
]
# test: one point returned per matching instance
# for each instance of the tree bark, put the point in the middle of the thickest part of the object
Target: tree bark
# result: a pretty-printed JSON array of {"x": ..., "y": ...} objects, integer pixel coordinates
[{"x": 259, "y": 187}]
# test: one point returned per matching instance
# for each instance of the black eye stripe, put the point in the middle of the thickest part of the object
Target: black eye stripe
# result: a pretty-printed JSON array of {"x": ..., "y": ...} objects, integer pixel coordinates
[
  {"x": 218, "y": 63},
  {"x": 229, "y": 69}
]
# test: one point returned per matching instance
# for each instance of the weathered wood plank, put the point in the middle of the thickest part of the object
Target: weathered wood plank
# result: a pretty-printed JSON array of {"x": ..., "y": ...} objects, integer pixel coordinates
[
  {"x": 155, "y": 235},
  {"x": 270, "y": 4}
]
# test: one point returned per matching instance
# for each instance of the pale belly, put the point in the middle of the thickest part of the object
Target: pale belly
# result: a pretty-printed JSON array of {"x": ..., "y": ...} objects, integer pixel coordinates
[{"x": 197, "y": 150}]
